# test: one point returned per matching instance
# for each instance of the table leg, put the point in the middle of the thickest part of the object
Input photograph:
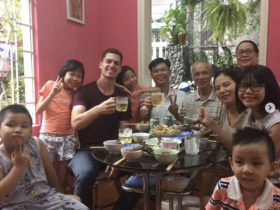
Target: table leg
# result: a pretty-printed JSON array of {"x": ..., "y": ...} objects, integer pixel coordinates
[
  {"x": 158, "y": 192},
  {"x": 146, "y": 191},
  {"x": 170, "y": 202},
  {"x": 180, "y": 206}
]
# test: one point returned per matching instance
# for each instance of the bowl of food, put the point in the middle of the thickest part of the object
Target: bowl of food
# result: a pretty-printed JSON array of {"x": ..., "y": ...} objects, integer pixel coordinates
[
  {"x": 113, "y": 146},
  {"x": 139, "y": 137},
  {"x": 143, "y": 127},
  {"x": 166, "y": 155},
  {"x": 131, "y": 155},
  {"x": 177, "y": 183},
  {"x": 180, "y": 127}
]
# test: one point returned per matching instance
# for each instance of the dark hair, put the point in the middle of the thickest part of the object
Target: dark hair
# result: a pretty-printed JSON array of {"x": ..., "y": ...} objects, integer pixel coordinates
[
  {"x": 112, "y": 50},
  {"x": 157, "y": 61},
  {"x": 119, "y": 78},
  {"x": 71, "y": 65},
  {"x": 249, "y": 135},
  {"x": 262, "y": 75},
  {"x": 227, "y": 72},
  {"x": 14, "y": 109},
  {"x": 249, "y": 41}
]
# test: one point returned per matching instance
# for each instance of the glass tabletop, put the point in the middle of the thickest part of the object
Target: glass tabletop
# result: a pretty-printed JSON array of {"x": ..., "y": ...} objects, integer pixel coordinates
[{"x": 149, "y": 163}]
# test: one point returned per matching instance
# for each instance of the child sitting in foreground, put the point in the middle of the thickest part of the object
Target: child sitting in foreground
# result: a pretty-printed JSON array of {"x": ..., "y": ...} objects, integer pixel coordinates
[
  {"x": 27, "y": 176},
  {"x": 252, "y": 160}
]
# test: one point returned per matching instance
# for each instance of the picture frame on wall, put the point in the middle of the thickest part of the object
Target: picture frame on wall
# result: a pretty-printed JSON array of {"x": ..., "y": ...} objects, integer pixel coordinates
[{"x": 75, "y": 10}]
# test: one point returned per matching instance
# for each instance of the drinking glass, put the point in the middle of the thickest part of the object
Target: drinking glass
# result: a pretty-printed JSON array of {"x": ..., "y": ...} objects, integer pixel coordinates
[
  {"x": 192, "y": 112},
  {"x": 121, "y": 103},
  {"x": 192, "y": 144},
  {"x": 125, "y": 134},
  {"x": 156, "y": 98}
]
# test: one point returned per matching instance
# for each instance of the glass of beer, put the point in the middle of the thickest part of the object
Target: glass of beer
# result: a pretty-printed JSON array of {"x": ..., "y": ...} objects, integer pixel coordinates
[
  {"x": 125, "y": 134},
  {"x": 156, "y": 98},
  {"x": 121, "y": 103}
]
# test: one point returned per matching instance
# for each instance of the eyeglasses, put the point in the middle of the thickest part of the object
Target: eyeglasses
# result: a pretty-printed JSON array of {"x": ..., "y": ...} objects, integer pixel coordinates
[
  {"x": 254, "y": 87},
  {"x": 247, "y": 51}
]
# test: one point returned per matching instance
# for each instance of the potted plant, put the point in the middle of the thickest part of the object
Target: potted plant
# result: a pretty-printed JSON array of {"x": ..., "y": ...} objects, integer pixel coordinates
[
  {"x": 176, "y": 23},
  {"x": 190, "y": 4},
  {"x": 225, "y": 16}
]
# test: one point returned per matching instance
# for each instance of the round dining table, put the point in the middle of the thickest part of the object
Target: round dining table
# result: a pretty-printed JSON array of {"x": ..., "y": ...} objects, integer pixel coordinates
[{"x": 147, "y": 164}]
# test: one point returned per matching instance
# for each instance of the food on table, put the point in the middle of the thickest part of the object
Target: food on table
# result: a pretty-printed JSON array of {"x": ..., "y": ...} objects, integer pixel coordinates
[
  {"x": 163, "y": 129},
  {"x": 164, "y": 153},
  {"x": 198, "y": 126},
  {"x": 145, "y": 122},
  {"x": 156, "y": 147},
  {"x": 143, "y": 147}
]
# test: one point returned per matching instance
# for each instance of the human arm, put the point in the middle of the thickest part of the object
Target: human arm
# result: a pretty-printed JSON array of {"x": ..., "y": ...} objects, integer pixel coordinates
[
  {"x": 8, "y": 182},
  {"x": 123, "y": 87},
  {"x": 173, "y": 109},
  {"x": 44, "y": 102},
  {"x": 48, "y": 166},
  {"x": 145, "y": 113},
  {"x": 145, "y": 90},
  {"x": 223, "y": 137},
  {"x": 81, "y": 118},
  {"x": 274, "y": 134},
  {"x": 215, "y": 200}
]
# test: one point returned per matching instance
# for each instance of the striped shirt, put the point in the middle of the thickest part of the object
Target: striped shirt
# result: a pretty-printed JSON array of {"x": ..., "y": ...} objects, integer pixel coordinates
[
  {"x": 212, "y": 103},
  {"x": 227, "y": 195}
]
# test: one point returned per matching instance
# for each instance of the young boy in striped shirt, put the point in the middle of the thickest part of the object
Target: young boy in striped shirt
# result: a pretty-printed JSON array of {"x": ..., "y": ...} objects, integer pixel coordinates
[{"x": 252, "y": 160}]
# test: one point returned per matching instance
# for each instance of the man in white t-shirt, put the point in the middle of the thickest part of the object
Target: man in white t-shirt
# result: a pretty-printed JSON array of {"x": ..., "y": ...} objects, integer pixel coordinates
[{"x": 172, "y": 99}]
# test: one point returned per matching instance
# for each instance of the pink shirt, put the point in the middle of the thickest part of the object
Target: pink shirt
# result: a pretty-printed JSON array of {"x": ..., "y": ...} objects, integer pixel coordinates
[
  {"x": 57, "y": 117},
  {"x": 227, "y": 195},
  {"x": 135, "y": 105}
]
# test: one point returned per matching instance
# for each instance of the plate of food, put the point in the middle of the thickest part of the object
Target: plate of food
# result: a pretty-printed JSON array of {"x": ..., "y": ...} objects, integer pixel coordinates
[
  {"x": 164, "y": 131},
  {"x": 155, "y": 142}
]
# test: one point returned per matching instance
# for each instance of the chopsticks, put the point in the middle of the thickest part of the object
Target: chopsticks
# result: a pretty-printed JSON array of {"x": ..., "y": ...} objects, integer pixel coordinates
[
  {"x": 212, "y": 141},
  {"x": 97, "y": 147},
  {"x": 136, "y": 124},
  {"x": 118, "y": 162},
  {"x": 171, "y": 165}
]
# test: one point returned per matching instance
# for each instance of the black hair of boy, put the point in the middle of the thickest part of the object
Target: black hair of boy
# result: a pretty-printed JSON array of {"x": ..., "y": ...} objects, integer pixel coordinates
[
  {"x": 14, "y": 109},
  {"x": 157, "y": 61},
  {"x": 71, "y": 65},
  {"x": 262, "y": 75},
  {"x": 113, "y": 51},
  {"x": 250, "y": 135},
  {"x": 119, "y": 79},
  {"x": 251, "y": 42},
  {"x": 227, "y": 72}
]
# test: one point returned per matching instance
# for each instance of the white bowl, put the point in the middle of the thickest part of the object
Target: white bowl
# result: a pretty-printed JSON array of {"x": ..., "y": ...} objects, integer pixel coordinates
[
  {"x": 166, "y": 158},
  {"x": 177, "y": 183},
  {"x": 143, "y": 128},
  {"x": 180, "y": 127},
  {"x": 112, "y": 147},
  {"x": 131, "y": 156},
  {"x": 139, "y": 137}
]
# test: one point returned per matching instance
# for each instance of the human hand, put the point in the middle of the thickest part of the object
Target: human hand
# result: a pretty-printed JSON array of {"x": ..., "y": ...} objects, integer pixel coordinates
[
  {"x": 19, "y": 158},
  {"x": 173, "y": 108},
  {"x": 78, "y": 144},
  {"x": 107, "y": 107},
  {"x": 126, "y": 90},
  {"x": 114, "y": 173},
  {"x": 204, "y": 116},
  {"x": 136, "y": 93},
  {"x": 56, "y": 87},
  {"x": 148, "y": 103},
  {"x": 182, "y": 112}
]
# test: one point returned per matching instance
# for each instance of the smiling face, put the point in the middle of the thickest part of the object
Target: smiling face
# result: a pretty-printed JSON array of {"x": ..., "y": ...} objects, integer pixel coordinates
[
  {"x": 225, "y": 89},
  {"x": 110, "y": 66},
  {"x": 201, "y": 74},
  {"x": 15, "y": 129},
  {"x": 249, "y": 98},
  {"x": 129, "y": 80},
  {"x": 161, "y": 74},
  {"x": 72, "y": 80},
  {"x": 245, "y": 60},
  {"x": 250, "y": 164}
]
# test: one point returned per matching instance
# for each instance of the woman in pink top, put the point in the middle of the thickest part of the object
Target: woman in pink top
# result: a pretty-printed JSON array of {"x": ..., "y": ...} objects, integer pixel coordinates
[
  {"x": 128, "y": 79},
  {"x": 55, "y": 103}
]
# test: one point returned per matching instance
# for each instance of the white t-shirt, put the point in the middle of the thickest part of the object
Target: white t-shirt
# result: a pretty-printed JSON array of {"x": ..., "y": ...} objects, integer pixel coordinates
[{"x": 162, "y": 110}]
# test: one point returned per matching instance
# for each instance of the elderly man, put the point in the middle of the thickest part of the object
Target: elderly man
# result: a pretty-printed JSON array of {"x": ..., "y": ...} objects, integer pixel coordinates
[
  {"x": 172, "y": 99},
  {"x": 95, "y": 118},
  {"x": 204, "y": 96}
]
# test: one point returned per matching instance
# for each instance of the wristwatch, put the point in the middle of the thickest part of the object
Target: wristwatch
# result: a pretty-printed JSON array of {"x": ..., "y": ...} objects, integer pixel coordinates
[{"x": 147, "y": 111}]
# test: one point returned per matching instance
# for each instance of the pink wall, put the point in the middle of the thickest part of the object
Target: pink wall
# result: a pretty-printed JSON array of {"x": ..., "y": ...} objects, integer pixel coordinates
[
  {"x": 108, "y": 24},
  {"x": 273, "y": 40},
  {"x": 119, "y": 28}
]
